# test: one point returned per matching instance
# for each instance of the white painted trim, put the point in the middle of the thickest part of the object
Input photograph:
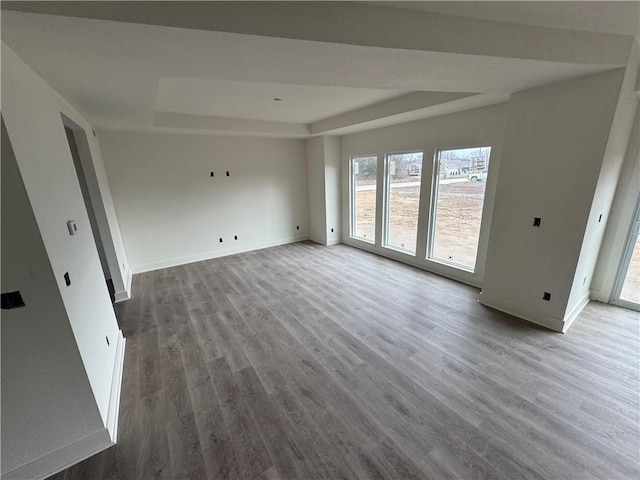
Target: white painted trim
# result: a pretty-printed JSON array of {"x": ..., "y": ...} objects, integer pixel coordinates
[
  {"x": 437, "y": 268},
  {"x": 116, "y": 386},
  {"x": 63, "y": 458},
  {"x": 174, "y": 262},
  {"x": 626, "y": 304},
  {"x": 575, "y": 311},
  {"x": 599, "y": 296},
  {"x": 121, "y": 296},
  {"x": 129, "y": 279},
  {"x": 333, "y": 241},
  {"x": 524, "y": 313},
  {"x": 315, "y": 240}
]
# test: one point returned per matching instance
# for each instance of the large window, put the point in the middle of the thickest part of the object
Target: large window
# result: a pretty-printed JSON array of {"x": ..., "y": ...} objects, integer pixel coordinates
[
  {"x": 403, "y": 172},
  {"x": 364, "y": 175},
  {"x": 460, "y": 177}
]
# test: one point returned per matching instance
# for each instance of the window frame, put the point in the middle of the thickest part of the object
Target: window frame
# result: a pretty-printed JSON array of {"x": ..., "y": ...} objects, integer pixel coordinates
[
  {"x": 433, "y": 208},
  {"x": 352, "y": 199},
  {"x": 386, "y": 191},
  {"x": 624, "y": 263}
]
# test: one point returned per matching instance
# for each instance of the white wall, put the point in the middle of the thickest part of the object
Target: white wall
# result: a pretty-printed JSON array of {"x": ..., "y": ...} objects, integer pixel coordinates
[
  {"x": 553, "y": 151},
  {"x": 172, "y": 212},
  {"x": 614, "y": 155},
  {"x": 82, "y": 180},
  {"x": 47, "y": 402},
  {"x": 324, "y": 189},
  {"x": 32, "y": 114},
  {"x": 316, "y": 190},
  {"x": 619, "y": 219},
  {"x": 107, "y": 222},
  {"x": 333, "y": 189},
  {"x": 474, "y": 127}
]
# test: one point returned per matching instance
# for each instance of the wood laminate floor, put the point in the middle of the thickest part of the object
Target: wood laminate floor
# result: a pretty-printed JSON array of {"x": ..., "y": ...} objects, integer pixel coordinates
[{"x": 313, "y": 362}]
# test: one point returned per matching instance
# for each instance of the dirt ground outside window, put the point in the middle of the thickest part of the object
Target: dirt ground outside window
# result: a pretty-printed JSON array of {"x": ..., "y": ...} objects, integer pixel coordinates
[{"x": 458, "y": 218}]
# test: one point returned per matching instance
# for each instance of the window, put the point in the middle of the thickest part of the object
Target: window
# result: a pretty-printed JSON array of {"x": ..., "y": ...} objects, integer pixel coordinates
[
  {"x": 627, "y": 288},
  {"x": 364, "y": 175},
  {"x": 460, "y": 177},
  {"x": 403, "y": 175}
]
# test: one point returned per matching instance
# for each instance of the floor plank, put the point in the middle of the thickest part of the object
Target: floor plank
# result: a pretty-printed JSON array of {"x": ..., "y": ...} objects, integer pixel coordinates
[{"x": 304, "y": 361}]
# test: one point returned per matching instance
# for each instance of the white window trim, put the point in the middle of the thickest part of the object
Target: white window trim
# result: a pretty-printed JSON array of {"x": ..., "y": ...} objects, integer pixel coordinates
[
  {"x": 352, "y": 200},
  {"x": 435, "y": 185},
  {"x": 385, "y": 212}
]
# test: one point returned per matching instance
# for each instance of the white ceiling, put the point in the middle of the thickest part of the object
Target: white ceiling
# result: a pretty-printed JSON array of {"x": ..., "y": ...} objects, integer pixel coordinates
[
  {"x": 254, "y": 100},
  {"x": 122, "y": 74},
  {"x": 619, "y": 17}
]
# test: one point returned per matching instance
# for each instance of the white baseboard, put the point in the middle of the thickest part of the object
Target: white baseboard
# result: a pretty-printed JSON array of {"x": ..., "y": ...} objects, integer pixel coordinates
[
  {"x": 174, "y": 262},
  {"x": 63, "y": 458},
  {"x": 524, "y": 313},
  {"x": 436, "y": 268},
  {"x": 116, "y": 385},
  {"x": 599, "y": 296},
  {"x": 328, "y": 243},
  {"x": 315, "y": 240},
  {"x": 575, "y": 311},
  {"x": 122, "y": 295}
]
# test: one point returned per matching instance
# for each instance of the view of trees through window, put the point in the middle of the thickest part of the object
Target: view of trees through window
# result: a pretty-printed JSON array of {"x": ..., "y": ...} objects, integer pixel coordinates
[
  {"x": 364, "y": 174},
  {"x": 460, "y": 180},
  {"x": 403, "y": 178}
]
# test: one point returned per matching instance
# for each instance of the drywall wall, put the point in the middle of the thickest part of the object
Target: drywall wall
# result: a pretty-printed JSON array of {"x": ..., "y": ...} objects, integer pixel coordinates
[
  {"x": 553, "y": 151},
  {"x": 332, "y": 189},
  {"x": 106, "y": 220},
  {"x": 616, "y": 149},
  {"x": 93, "y": 221},
  {"x": 324, "y": 189},
  {"x": 619, "y": 219},
  {"x": 171, "y": 211},
  {"x": 47, "y": 402},
  {"x": 32, "y": 115},
  {"x": 90, "y": 154},
  {"x": 474, "y": 127},
  {"x": 316, "y": 190}
]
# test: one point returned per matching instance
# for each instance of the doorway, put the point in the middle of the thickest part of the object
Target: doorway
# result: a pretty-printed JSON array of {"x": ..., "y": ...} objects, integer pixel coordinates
[
  {"x": 73, "y": 140},
  {"x": 627, "y": 286}
]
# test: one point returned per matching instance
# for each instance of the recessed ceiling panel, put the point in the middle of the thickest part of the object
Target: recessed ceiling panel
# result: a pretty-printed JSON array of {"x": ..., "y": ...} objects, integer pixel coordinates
[{"x": 257, "y": 101}]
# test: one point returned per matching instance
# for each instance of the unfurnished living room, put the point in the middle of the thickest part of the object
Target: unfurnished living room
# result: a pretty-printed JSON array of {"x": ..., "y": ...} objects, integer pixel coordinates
[{"x": 319, "y": 240}]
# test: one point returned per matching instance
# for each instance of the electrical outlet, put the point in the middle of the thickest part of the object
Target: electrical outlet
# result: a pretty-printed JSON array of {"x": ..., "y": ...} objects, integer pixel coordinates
[
  {"x": 67, "y": 279},
  {"x": 537, "y": 221},
  {"x": 546, "y": 296},
  {"x": 211, "y": 173},
  {"x": 12, "y": 300},
  {"x": 297, "y": 227},
  {"x": 72, "y": 227},
  {"x": 107, "y": 339},
  {"x": 220, "y": 240},
  {"x": 235, "y": 237},
  {"x": 600, "y": 218},
  {"x": 332, "y": 230},
  {"x": 227, "y": 173}
]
